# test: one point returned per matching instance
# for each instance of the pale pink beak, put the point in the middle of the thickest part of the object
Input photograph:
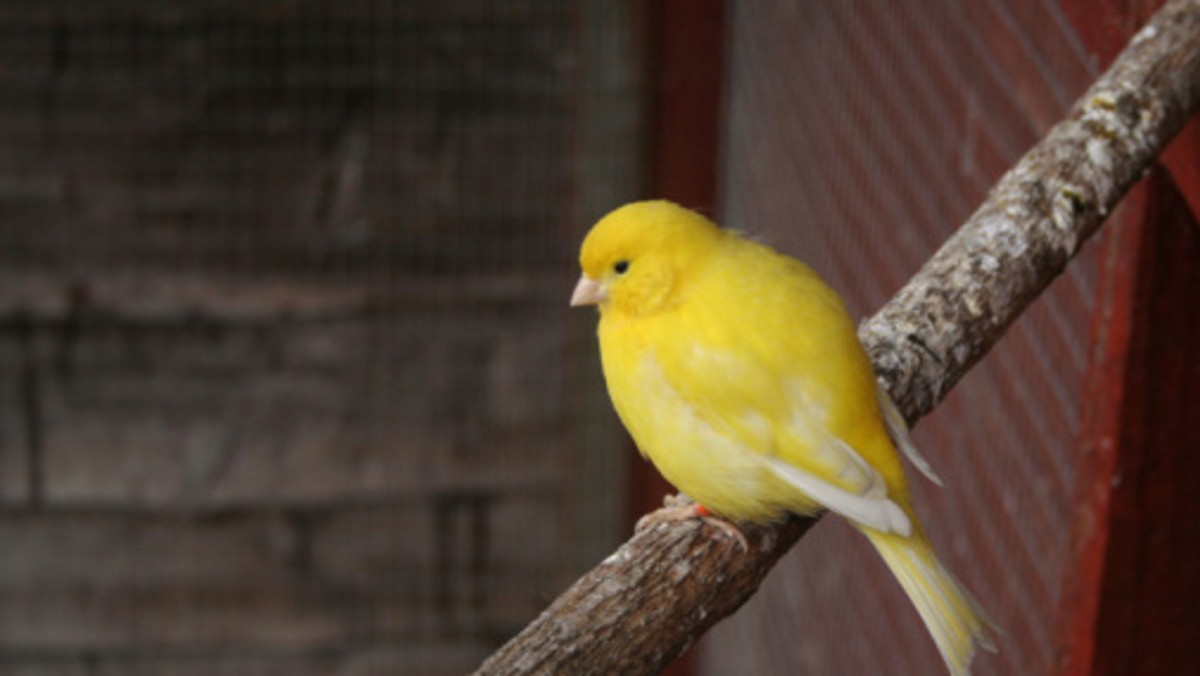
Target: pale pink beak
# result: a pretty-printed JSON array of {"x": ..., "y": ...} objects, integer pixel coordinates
[{"x": 588, "y": 292}]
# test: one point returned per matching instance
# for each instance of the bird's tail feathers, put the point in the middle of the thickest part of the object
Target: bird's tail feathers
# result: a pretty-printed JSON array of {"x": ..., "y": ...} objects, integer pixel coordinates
[{"x": 954, "y": 619}]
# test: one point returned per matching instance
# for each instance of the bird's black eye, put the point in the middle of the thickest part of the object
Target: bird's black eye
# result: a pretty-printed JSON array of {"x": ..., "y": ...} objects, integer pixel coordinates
[{"x": 620, "y": 267}]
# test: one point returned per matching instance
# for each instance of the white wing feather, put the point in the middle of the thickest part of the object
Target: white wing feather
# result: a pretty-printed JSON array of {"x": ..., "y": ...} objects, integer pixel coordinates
[
  {"x": 898, "y": 429},
  {"x": 870, "y": 508}
]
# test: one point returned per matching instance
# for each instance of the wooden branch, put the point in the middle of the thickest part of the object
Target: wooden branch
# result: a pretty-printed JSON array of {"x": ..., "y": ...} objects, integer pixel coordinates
[
  {"x": 645, "y": 604},
  {"x": 1038, "y": 216}
]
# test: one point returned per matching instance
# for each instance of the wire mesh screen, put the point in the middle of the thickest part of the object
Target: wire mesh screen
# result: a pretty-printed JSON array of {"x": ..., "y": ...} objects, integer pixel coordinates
[
  {"x": 282, "y": 336},
  {"x": 860, "y": 134}
]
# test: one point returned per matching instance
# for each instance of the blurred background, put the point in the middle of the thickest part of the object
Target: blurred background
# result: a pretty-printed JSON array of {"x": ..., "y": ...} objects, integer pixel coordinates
[{"x": 288, "y": 384}]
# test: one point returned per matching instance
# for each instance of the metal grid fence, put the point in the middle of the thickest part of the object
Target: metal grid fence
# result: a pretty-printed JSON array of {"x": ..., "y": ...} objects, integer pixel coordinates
[{"x": 859, "y": 135}]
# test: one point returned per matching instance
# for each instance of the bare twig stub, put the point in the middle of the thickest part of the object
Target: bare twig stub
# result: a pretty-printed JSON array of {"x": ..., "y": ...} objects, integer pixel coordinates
[{"x": 645, "y": 604}]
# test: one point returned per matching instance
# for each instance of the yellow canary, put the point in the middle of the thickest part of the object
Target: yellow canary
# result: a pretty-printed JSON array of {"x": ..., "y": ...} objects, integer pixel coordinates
[{"x": 739, "y": 374}]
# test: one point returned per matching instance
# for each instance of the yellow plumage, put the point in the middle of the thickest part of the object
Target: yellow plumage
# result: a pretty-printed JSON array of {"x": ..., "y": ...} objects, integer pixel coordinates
[{"x": 738, "y": 372}]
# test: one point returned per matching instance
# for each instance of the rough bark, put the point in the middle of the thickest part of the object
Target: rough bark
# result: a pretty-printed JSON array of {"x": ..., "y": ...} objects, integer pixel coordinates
[
  {"x": 1038, "y": 216},
  {"x": 645, "y": 604}
]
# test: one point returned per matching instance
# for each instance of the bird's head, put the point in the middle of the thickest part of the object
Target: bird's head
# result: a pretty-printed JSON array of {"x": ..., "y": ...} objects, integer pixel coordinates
[{"x": 638, "y": 259}]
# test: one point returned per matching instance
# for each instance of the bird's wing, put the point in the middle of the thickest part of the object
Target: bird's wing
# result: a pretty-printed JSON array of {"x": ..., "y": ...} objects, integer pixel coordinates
[
  {"x": 877, "y": 511},
  {"x": 830, "y": 471},
  {"x": 898, "y": 430},
  {"x": 774, "y": 416}
]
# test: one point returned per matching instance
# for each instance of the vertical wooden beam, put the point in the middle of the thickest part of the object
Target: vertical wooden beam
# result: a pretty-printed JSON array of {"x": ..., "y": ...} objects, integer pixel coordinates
[
  {"x": 685, "y": 146},
  {"x": 689, "y": 38},
  {"x": 1150, "y": 587},
  {"x": 1129, "y": 601},
  {"x": 1099, "y": 429},
  {"x": 690, "y": 75}
]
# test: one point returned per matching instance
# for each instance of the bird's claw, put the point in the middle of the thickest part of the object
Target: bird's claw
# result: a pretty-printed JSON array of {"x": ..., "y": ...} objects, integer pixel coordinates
[{"x": 679, "y": 507}]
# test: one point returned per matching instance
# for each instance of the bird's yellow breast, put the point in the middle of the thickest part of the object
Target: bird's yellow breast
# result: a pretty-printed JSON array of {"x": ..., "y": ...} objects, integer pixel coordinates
[{"x": 713, "y": 460}]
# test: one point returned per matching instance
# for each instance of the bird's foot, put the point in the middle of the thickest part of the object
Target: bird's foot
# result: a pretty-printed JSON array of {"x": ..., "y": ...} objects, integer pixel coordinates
[{"x": 680, "y": 507}]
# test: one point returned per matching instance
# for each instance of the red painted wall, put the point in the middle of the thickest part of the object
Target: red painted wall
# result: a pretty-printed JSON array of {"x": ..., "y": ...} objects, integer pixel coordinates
[
  {"x": 858, "y": 137},
  {"x": 1131, "y": 607}
]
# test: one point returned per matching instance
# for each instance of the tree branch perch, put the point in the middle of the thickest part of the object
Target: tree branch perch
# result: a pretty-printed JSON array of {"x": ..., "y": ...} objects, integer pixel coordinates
[{"x": 662, "y": 589}]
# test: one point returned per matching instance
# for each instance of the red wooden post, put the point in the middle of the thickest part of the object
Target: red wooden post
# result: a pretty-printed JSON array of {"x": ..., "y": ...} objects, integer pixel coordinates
[
  {"x": 690, "y": 63},
  {"x": 690, "y": 59},
  {"x": 1129, "y": 606}
]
